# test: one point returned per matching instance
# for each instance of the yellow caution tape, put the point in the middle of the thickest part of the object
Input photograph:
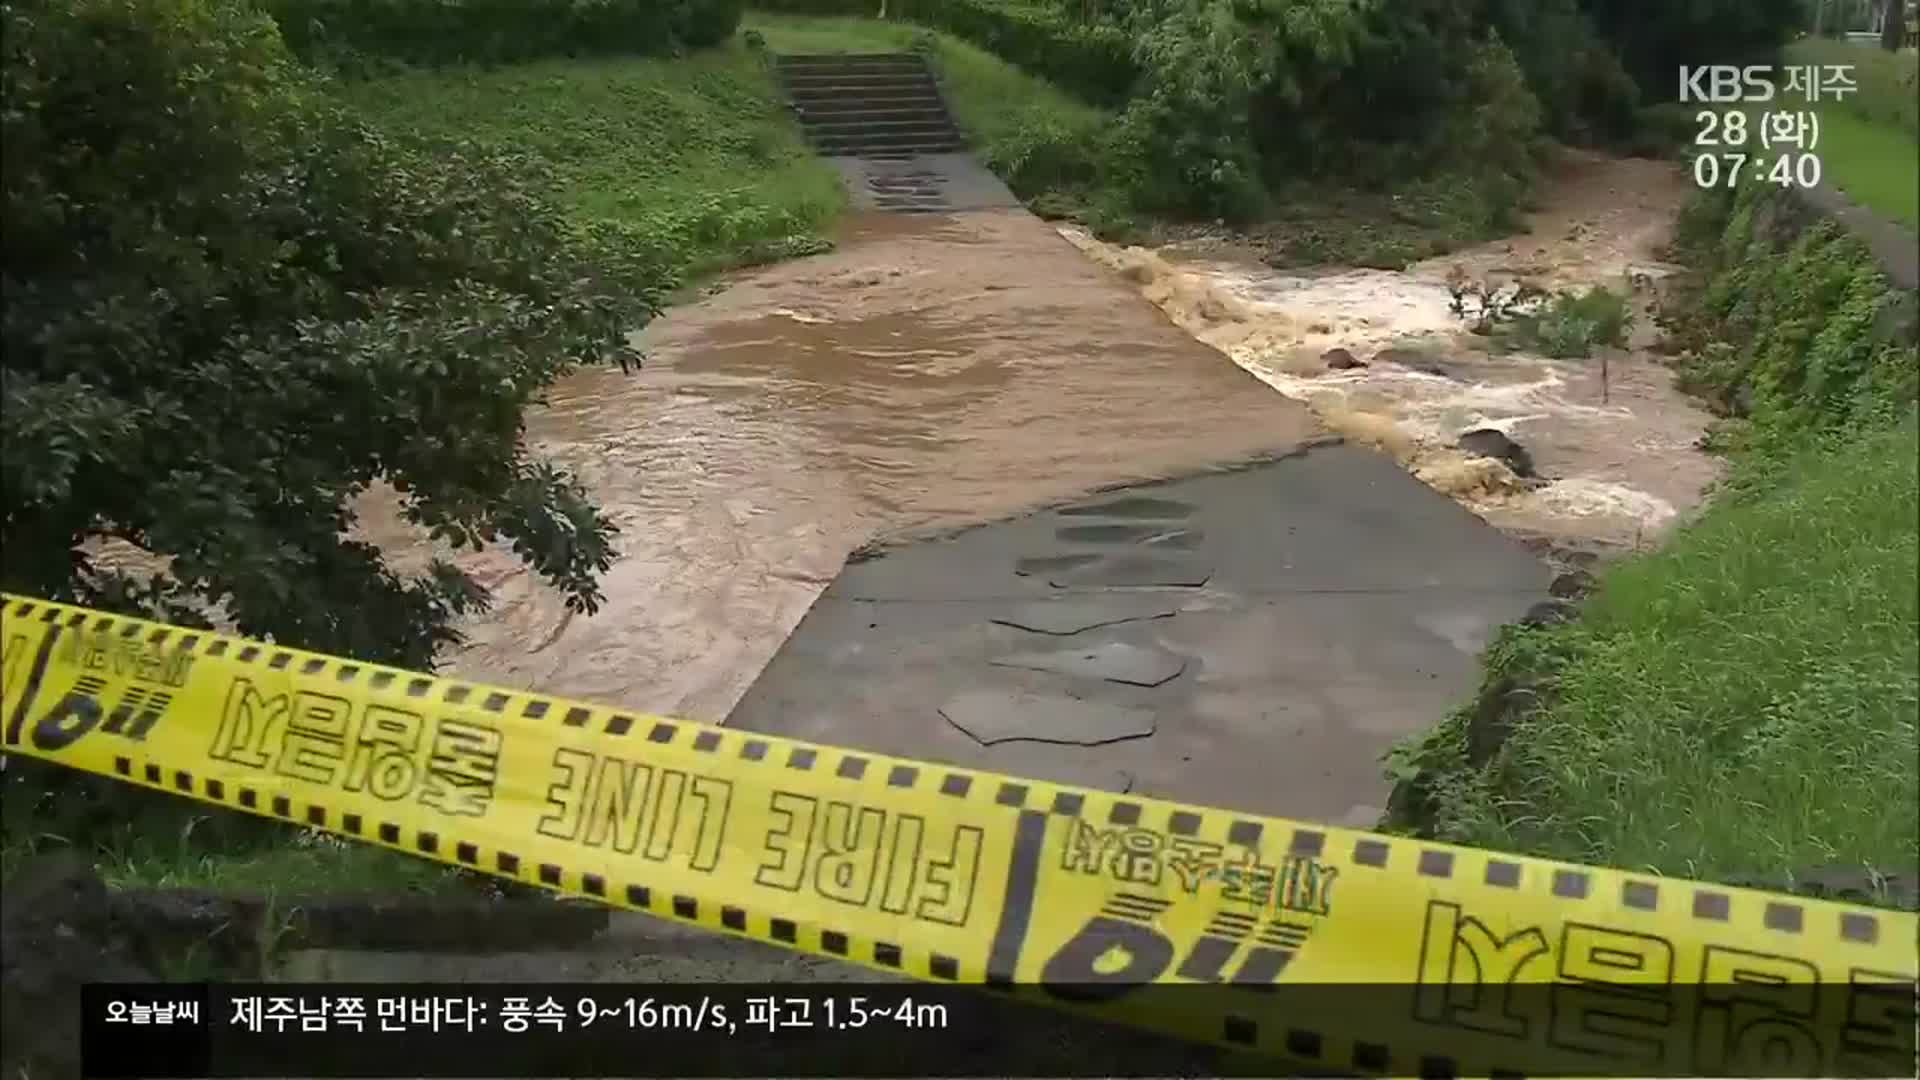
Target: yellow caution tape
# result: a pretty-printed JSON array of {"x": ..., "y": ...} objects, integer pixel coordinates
[{"x": 1495, "y": 963}]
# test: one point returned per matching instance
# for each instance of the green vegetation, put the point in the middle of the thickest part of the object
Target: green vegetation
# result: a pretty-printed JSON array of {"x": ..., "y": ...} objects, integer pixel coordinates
[
  {"x": 141, "y": 838},
  {"x": 1886, "y": 84},
  {"x": 1572, "y": 324},
  {"x": 691, "y": 162},
  {"x": 1876, "y": 164},
  {"x": 254, "y": 267},
  {"x": 230, "y": 308},
  {"x": 363, "y": 34},
  {"x": 1329, "y": 131},
  {"x": 1565, "y": 325},
  {"x": 1788, "y": 331},
  {"x": 1742, "y": 703},
  {"x": 1870, "y": 138}
]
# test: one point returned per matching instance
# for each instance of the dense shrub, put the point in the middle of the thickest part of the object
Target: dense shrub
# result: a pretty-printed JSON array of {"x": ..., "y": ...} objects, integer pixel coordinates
[
  {"x": 230, "y": 309},
  {"x": 1094, "y": 60},
  {"x": 1406, "y": 90},
  {"x": 1653, "y": 38},
  {"x": 344, "y": 32},
  {"x": 822, "y": 7},
  {"x": 1796, "y": 330},
  {"x": 1185, "y": 141},
  {"x": 1583, "y": 90}
]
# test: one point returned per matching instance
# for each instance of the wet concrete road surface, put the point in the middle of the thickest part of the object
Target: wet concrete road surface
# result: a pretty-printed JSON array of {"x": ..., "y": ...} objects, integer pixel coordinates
[
  {"x": 935, "y": 370},
  {"x": 1254, "y": 638}
]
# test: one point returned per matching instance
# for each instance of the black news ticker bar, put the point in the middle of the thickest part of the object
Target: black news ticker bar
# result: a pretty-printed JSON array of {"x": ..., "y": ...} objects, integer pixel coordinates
[
  {"x": 266, "y": 1031},
  {"x": 269, "y": 1031}
]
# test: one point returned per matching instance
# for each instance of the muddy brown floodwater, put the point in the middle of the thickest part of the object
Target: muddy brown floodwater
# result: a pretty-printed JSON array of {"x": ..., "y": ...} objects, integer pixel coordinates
[
  {"x": 1615, "y": 446},
  {"x": 933, "y": 371}
]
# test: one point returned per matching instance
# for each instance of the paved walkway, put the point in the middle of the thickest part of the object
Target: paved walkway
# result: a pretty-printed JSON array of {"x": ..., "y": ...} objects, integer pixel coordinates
[
  {"x": 927, "y": 183},
  {"x": 1254, "y": 638}
]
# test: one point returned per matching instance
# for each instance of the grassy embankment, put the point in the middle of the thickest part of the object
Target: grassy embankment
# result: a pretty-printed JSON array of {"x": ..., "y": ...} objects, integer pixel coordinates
[
  {"x": 1870, "y": 139},
  {"x": 693, "y": 157},
  {"x": 1740, "y": 704}
]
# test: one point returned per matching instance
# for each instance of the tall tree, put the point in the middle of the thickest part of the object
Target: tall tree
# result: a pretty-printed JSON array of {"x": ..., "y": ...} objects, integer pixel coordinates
[
  {"x": 230, "y": 309},
  {"x": 1893, "y": 28}
]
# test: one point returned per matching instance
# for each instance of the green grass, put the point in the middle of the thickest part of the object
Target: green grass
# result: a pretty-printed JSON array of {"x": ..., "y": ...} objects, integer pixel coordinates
[
  {"x": 1869, "y": 139},
  {"x": 1886, "y": 84},
  {"x": 1740, "y": 702},
  {"x": 1876, "y": 164},
  {"x": 693, "y": 156},
  {"x": 301, "y": 865},
  {"x": 164, "y": 842},
  {"x": 828, "y": 33}
]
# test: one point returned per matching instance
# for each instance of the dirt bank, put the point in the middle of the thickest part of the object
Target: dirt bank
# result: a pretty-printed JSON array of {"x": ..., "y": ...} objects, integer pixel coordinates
[
  {"x": 1617, "y": 457},
  {"x": 934, "y": 370}
]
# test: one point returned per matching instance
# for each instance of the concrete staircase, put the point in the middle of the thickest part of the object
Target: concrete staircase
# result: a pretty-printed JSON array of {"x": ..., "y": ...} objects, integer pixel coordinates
[{"x": 868, "y": 105}]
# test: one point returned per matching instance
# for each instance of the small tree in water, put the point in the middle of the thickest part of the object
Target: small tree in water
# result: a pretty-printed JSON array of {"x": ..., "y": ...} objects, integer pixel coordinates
[{"x": 230, "y": 310}]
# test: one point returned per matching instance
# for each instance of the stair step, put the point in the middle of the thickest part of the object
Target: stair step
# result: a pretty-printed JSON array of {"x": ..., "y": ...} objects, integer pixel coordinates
[
  {"x": 842, "y": 88},
  {"x": 872, "y": 105},
  {"x": 937, "y": 126},
  {"x": 900, "y": 67},
  {"x": 821, "y": 106},
  {"x": 857, "y": 74},
  {"x": 889, "y": 135},
  {"x": 930, "y": 114},
  {"x": 850, "y": 61},
  {"x": 888, "y": 150},
  {"x": 801, "y": 58}
]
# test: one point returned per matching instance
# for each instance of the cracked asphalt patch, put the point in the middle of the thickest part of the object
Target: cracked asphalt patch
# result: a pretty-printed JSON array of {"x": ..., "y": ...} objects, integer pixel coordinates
[{"x": 1329, "y": 603}]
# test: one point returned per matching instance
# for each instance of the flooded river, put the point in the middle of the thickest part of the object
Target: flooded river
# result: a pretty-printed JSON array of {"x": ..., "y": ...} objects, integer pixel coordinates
[
  {"x": 941, "y": 370},
  {"x": 1611, "y": 439},
  {"x": 933, "y": 371}
]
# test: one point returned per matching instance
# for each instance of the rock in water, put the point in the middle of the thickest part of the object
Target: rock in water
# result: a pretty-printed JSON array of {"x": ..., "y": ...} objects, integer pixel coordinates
[
  {"x": 1341, "y": 360},
  {"x": 1574, "y": 584},
  {"x": 1489, "y": 443},
  {"x": 1413, "y": 360}
]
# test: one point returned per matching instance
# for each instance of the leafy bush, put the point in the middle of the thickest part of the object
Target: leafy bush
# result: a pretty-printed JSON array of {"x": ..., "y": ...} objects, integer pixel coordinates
[
  {"x": 342, "y": 33},
  {"x": 1584, "y": 92},
  {"x": 1382, "y": 95},
  {"x": 1042, "y": 152},
  {"x": 1795, "y": 328},
  {"x": 1573, "y": 323},
  {"x": 1653, "y": 38},
  {"x": 1663, "y": 130},
  {"x": 1093, "y": 60},
  {"x": 820, "y": 7},
  {"x": 230, "y": 310},
  {"x": 1185, "y": 143}
]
